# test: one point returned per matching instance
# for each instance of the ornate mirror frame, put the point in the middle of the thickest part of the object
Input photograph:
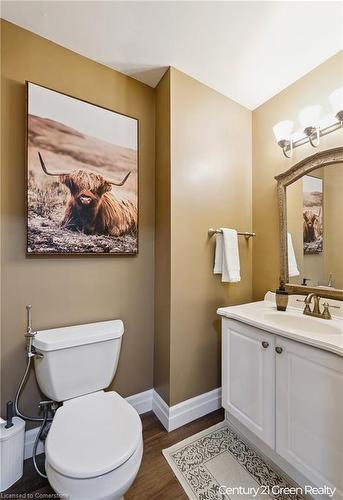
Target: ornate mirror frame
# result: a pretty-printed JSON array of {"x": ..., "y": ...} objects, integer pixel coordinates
[{"x": 321, "y": 159}]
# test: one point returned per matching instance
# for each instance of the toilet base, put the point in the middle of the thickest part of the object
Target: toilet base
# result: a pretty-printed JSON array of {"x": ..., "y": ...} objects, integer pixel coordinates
[{"x": 110, "y": 486}]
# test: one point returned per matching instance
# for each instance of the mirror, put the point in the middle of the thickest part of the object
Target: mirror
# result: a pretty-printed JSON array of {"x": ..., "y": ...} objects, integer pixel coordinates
[
  {"x": 311, "y": 229},
  {"x": 315, "y": 228}
]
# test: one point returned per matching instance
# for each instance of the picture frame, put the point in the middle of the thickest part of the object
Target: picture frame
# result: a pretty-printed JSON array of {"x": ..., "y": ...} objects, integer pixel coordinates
[
  {"x": 312, "y": 214},
  {"x": 82, "y": 173}
]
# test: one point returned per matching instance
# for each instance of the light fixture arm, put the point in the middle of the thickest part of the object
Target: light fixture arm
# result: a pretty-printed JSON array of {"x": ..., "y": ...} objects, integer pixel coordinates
[
  {"x": 312, "y": 132},
  {"x": 287, "y": 149}
]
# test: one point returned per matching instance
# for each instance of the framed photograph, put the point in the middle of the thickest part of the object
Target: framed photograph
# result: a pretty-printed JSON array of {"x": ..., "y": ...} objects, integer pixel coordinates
[
  {"x": 82, "y": 177},
  {"x": 312, "y": 214}
]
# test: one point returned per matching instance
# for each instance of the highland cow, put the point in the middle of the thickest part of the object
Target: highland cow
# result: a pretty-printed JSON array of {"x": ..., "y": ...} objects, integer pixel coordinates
[
  {"x": 310, "y": 227},
  {"x": 92, "y": 208}
]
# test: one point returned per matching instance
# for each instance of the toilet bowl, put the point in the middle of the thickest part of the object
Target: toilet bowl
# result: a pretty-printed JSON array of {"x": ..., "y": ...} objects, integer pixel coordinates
[{"x": 94, "y": 447}]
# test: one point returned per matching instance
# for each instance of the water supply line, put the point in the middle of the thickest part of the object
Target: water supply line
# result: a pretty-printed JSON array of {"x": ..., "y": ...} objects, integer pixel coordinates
[
  {"x": 31, "y": 352},
  {"x": 30, "y": 334},
  {"x": 39, "y": 434},
  {"x": 18, "y": 393}
]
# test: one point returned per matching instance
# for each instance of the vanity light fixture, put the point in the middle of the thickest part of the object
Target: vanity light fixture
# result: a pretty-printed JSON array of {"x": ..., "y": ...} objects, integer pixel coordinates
[{"x": 313, "y": 126}]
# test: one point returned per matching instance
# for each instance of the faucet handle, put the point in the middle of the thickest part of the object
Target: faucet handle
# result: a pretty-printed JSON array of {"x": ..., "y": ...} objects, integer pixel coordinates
[
  {"x": 330, "y": 305},
  {"x": 326, "y": 312}
]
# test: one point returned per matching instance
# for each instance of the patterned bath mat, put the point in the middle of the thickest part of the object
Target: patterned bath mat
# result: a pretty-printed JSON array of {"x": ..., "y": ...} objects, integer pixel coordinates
[{"x": 216, "y": 464}]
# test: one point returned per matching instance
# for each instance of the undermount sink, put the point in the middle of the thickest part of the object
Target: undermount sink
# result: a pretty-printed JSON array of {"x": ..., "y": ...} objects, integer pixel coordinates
[{"x": 305, "y": 323}]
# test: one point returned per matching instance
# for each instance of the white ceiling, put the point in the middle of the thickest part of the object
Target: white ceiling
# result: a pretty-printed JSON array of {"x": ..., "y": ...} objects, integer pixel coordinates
[{"x": 248, "y": 51}]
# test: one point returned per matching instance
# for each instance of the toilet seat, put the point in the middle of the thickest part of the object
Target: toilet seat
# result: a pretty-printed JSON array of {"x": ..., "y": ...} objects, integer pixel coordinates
[{"x": 93, "y": 435}]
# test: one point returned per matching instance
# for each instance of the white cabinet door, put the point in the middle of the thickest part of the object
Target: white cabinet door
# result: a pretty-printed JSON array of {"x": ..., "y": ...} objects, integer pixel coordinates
[
  {"x": 248, "y": 377},
  {"x": 309, "y": 412}
]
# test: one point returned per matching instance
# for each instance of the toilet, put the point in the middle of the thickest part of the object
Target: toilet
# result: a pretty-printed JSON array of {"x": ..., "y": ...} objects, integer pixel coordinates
[{"x": 94, "y": 446}]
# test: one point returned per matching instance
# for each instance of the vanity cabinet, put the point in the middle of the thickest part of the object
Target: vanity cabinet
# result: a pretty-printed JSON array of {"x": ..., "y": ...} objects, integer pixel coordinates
[
  {"x": 288, "y": 394},
  {"x": 309, "y": 411},
  {"x": 248, "y": 378}
]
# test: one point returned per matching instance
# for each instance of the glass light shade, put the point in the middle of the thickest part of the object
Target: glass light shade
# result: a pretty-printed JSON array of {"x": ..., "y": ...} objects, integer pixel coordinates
[
  {"x": 283, "y": 130},
  {"x": 336, "y": 100},
  {"x": 327, "y": 121},
  {"x": 309, "y": 117}
]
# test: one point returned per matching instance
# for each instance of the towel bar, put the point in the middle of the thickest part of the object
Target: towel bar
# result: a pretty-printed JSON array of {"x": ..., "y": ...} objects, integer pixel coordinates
[{"x": 246, "y": 234}]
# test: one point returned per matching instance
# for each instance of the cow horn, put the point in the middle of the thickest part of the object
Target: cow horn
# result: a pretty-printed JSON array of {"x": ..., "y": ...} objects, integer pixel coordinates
[
  {"x": 66, "y": 173},
  {"x": 46, "y": 170},
  {"x": 122, "y": 182}
]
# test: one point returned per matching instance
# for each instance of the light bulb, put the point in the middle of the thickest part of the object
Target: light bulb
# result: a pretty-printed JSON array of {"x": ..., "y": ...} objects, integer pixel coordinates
[
  {"x": 283, "y": 130},
  {"x": 309, "y": 117},
  {"x": 336, "y": 101}
]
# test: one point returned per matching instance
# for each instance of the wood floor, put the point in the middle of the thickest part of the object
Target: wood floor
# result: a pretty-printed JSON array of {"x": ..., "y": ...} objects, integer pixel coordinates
[{"x": 155, "y": 480}]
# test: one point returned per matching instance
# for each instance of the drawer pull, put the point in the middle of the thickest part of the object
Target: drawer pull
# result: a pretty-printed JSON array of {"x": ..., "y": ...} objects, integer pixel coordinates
[
  {"x": 265, "y": 344},
  {"x": 278, "y": 349}
]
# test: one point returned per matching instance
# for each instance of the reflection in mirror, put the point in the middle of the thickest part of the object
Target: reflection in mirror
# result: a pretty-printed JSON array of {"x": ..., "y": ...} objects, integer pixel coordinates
[{"x": 315, "y": 228}]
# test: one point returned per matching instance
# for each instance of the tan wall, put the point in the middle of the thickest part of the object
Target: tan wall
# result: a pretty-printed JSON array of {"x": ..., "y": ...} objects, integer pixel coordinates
[
  {"x": 314, "y": 268},
  {"x": 211, "y": 187},
  {"x": 162, "y": 241},
  {"x": 268, "y": 160},
  {"x": 333, "y": 227},
  {"x": 70, "y": 290}
]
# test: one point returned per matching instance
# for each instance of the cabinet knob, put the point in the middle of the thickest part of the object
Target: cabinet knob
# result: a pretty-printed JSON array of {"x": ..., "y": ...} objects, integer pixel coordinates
[
  {"x": 278, "y": 349},
  {"x": 265, "y": 344}
]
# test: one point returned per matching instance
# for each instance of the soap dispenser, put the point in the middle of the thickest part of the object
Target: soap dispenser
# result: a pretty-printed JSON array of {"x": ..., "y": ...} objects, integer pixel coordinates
[{"x": 281, "y": 296}]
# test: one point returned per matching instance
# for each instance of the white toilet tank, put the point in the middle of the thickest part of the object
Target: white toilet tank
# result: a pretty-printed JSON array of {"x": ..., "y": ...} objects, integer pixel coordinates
[{"x": 77, "y": 360}]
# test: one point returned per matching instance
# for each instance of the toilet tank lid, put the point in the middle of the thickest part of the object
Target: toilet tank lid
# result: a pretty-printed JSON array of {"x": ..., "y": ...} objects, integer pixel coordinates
[{"x": 72, "y": 336}]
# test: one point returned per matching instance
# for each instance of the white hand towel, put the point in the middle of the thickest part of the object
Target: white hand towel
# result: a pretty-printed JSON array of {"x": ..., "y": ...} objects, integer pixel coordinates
[
  {"x": 226, "y": 261},
  {"x": 292, "y": 262},
  {"x": 218, "y": 256}
]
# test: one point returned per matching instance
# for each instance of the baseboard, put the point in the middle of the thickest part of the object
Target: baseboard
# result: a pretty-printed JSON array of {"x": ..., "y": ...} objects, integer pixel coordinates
[
  {"x": 186, "y": 411},
  {"x": 30, "y": 437},
  {"x": 170, "y": 417},
  {"x": 142, "y": 401},
  {"x": 161, "y": 409}
]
